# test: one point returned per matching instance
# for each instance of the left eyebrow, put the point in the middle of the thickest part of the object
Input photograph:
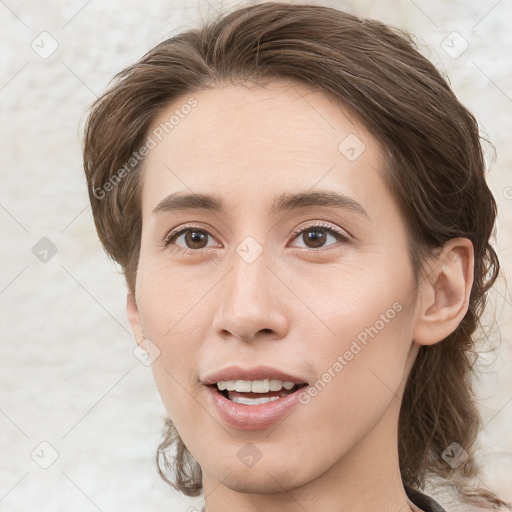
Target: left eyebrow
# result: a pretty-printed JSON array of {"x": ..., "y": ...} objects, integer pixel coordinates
[
  {"x": 287, "y": 202},
  {"x": 281, "y": 203}
]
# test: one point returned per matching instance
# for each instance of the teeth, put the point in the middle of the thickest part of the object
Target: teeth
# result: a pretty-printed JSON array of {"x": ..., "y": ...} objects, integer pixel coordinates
[
  {"x": 260, "y": 386},
  {"x": 275, "y": 385},
  {"x": 254, "y": 386},
  {"x": 244, "y": 386},
  {"x": 253, "y": 401}
]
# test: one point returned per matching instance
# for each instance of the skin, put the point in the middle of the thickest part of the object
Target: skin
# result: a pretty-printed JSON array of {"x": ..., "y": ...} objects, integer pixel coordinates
[{"x": 298, "y": 306}]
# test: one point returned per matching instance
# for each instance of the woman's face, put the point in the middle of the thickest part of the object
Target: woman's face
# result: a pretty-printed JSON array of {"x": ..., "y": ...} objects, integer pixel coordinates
[{"x": 302, "y": 276}]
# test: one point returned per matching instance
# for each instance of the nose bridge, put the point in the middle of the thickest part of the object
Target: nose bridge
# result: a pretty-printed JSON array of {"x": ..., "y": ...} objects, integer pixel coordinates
[{"x": 249, "y": 301}]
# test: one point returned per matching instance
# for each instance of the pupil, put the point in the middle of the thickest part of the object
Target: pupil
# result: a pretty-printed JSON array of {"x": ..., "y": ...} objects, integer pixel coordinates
[
  {"x": 195, "y": 237},
  {"x": 317, "y": 237}
]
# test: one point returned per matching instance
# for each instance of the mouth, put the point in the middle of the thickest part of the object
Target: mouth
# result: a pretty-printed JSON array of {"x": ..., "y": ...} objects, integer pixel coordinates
[
  {"x": 256, "y": 392},
  {"x": 253, "y": 399}
]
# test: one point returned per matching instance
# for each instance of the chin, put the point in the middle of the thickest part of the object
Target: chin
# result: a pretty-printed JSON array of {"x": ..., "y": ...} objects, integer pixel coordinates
[
  {"x": 263, "y": 480},
  {"x": 270, "y": 476}
]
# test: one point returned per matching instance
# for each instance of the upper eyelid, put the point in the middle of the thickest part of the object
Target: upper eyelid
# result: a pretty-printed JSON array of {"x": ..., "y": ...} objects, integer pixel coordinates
[
  {"x": 299, "y": 229},
  {"x": 180, "y": 230},
  {"x": 321, "y": 224}
]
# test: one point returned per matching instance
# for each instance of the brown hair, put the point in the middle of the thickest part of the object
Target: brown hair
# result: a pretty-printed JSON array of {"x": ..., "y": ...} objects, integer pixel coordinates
[{"x": 435, "y": 169}]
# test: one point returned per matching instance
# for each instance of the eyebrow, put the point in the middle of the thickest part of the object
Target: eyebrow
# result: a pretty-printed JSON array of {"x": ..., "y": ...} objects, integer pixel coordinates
[{"x": 282, "y": 203}]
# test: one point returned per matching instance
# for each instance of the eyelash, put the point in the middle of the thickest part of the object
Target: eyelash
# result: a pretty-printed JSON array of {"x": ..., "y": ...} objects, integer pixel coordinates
[{"x": 339, "y": 235}]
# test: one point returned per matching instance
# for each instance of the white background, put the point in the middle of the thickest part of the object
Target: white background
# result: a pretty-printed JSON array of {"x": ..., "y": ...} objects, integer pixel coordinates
[{"x": 67, "y": 372}]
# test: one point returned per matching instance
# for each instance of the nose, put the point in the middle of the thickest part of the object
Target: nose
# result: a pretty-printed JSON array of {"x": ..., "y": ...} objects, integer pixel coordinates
[{"x": 251, "y": 302}]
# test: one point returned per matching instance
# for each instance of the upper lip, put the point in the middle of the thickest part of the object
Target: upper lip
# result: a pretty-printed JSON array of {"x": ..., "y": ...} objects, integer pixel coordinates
[{"x": 255, "y": 373}]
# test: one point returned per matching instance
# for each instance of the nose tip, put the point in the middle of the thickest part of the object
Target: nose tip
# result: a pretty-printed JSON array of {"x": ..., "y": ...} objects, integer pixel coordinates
[{"x": 249, "y": 304}]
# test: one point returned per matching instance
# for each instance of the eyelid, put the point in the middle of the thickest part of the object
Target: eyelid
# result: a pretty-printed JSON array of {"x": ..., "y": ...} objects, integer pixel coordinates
[
  {"x": 321, "y": 224},
  {"x": 343, "y": 235},
  {"x": 185, "y": 227}
]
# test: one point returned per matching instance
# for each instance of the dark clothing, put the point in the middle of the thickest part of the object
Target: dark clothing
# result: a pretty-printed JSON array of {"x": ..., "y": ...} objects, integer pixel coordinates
[{"x": 426, "y": 503}]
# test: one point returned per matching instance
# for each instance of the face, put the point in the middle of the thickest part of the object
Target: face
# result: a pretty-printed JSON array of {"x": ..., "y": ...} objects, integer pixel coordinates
[{"x": 299, "y": 274}]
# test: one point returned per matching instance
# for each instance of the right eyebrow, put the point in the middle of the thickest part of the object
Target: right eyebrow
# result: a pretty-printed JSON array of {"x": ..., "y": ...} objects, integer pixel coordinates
[{"x": 179, "y": 201}]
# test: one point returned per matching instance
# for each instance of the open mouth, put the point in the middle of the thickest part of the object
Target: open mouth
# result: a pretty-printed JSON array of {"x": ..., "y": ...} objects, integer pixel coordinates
[
  {"x": 260, "y": 401},
  {"x": 256, "y": 392}
]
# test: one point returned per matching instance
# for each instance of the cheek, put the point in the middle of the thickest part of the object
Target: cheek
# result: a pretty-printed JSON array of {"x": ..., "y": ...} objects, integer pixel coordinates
[
  {"x": 172, "y": 313},
  {"x": 363, "y": 297},
  {"x": 359, "y": 375},
  {"x": 170, "y": 300},
  {"x": 367, "y": 317}
]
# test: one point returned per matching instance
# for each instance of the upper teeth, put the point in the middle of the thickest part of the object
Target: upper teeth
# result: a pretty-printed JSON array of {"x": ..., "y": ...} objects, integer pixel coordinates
[{"x": 254, "y": 386}]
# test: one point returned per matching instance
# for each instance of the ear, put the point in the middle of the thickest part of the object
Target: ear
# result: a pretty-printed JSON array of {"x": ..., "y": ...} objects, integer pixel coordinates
[
  {"x": 134, "y": 319},
  {"x": 444, "y": 294}
]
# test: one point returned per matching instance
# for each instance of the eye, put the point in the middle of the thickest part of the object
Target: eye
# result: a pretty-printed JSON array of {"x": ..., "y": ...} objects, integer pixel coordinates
[
  {"x": 316, "y": 235},
  {"x": 193, "y": 238}
]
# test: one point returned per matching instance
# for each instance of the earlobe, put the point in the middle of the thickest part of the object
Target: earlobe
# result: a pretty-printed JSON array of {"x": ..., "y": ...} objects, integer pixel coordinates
[
  {"x": 132, "y": 312},
  {"x": 444, "y": 294}
]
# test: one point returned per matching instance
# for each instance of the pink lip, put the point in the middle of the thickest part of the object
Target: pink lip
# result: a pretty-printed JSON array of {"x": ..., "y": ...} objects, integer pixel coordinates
[
  {"x": 251, "y": 417},
  {"x": 256, "y": 373}
]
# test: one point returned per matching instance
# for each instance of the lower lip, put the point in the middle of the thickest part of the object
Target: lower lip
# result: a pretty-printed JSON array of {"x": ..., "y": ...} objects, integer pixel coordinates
[{"x": 252, "y": 417}]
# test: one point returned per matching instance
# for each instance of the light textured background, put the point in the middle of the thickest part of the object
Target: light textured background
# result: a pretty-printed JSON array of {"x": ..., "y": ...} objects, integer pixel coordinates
[{"x": 67, "y": 372}]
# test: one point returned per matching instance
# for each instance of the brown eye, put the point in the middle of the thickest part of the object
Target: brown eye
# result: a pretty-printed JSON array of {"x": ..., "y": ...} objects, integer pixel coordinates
[
  {"x": 315, "y": 237},
  {"x": 196, "y": 239},
  {"x": 192, "y": 239}
]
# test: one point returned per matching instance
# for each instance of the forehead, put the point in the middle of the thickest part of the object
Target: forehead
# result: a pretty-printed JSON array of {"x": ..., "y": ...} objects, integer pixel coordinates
[{"x": 252, "y": 140}]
